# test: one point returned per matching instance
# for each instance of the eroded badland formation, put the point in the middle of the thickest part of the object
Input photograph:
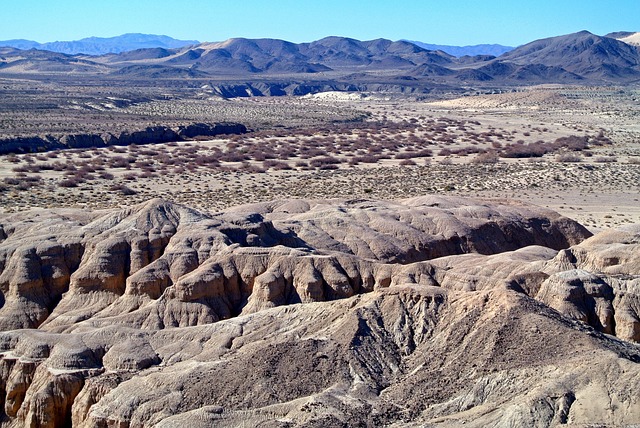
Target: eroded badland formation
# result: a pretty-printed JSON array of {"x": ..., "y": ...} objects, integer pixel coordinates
[{"x": 340, "y": 233}]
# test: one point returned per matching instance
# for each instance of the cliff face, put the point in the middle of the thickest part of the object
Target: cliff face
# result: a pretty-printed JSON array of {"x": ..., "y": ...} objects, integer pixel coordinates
[
  {"x": 317, "y": 312},
  {"x": 150, "y": 135}
]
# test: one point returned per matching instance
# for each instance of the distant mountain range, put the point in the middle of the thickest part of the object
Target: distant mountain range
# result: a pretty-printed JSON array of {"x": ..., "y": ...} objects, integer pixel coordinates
[
  {"x": 349, "y": 64},
  {"x": 133, "y": 41},
  {"x": 583, "y": 53},
  {"x": 459, "y": 51},
  {"x": 101, "y": 46}
]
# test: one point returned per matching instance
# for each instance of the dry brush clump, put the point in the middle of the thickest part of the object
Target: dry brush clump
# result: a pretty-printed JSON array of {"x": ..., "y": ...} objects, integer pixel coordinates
[
  {"x": 27, "y": 182},
  {"x": 568, "y": 158},
  {"x": 605, "y": 159},
  {"x": 277, "y": 165},
  {"x": 325, "y": 162},
  {"x": 488, "y": 157},
  {"x": 407, "y": 162},
  {"x": 539, "y": 148},
  {"x": 122, "y": 189}
]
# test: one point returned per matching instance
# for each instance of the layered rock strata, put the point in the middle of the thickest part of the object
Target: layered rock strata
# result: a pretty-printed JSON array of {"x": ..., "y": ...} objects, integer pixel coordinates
[{"x": 431, "y": 310}]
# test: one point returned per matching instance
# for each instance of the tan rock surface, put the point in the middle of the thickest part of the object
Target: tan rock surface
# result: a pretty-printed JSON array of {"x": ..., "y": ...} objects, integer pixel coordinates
[{"x": 430, "y": 310}]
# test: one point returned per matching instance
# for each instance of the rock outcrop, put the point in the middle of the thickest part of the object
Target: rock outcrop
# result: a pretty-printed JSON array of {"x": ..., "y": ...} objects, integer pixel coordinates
[
  {"x": 431, "y": 310},
  {"x": 173, "y": 266},
  {"x": 149, "y": 135}
]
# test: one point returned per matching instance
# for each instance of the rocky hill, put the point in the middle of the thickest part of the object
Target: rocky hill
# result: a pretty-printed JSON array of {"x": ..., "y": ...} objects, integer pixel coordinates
[
  {"x": 431, "y": 310},
  {"x": 581, "y": 57},
  {"x": 583, "y": 53}
]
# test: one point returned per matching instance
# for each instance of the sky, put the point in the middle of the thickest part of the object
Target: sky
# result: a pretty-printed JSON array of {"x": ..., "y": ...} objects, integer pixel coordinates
[{"x": 447, "y": 22}]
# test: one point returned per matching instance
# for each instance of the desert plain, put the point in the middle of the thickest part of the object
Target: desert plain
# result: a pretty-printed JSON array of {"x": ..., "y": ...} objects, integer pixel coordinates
[{"x": 355, "y": 145}]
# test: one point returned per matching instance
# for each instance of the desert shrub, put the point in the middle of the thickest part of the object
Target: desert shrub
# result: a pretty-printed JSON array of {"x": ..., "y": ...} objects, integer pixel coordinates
[
  {"x": 328, "y": 167},
  {"x": 208, "y": 160},
  {"x": 301, "y": 164},
  {"x": 87, "y": 169},
  {"x": 601, "y": 139},
  {"x": 11, "y": 181},
  {"x": 573, "y": 143},
  {"x": 233, "y": 157},
  {"x": 404, "y": 155},
  {"x": 467, "y": 151},
  {"x": 424, "y": 153},
  {"x": 568, "y": 157},
  {"x": 287, "y": 153},
  {"x": 26, "y": 168},
  {"x": 148, "y": 152},
  {"x": 407, "y": 162},
  {"x": 366, "y": 158},
  {"x": 486, "y": 158},
  {"x": 252, "y": 169},
  {"x": 324, "y": 161},
  {"x": 24, "y": 182},
  {"x": 276, "y": 165},
  {"x": 122, "y": 189},
  {"x": 307, "y": 153},
  {"x": 258, "y": 156},
  {"x": 120, "y": 162},
  {"x": 147, "y": 174},
  {"x": 70, "y": 182},
  {"x": 25, "y": 185},
  {"x": 518, "y": 150},
  {"x": 143, "y": 164},
  {"x": 605, "y": 159}
]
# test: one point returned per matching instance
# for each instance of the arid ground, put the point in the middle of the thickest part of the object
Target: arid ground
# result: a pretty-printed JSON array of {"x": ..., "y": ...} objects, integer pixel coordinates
[
  {"x": 573, "y": 149},
  {"x": 351, "y": 260}
]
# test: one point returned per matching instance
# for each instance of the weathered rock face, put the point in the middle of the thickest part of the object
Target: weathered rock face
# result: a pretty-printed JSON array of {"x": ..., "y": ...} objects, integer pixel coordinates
[
  {"x": 420, "y": 228},
  {"x": 400, "y": 354},
  {"x": 318, "y": 313},
  {"x": 172, "y": 266},
  {"x": 598, "y": 281},
  {"x": 210, "y": 130},
  {"x": 149, "y": 135}
]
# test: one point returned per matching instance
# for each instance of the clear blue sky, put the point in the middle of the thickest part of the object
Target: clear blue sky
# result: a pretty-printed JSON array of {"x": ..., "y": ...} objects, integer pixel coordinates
[{"x": 453, "y": 22}]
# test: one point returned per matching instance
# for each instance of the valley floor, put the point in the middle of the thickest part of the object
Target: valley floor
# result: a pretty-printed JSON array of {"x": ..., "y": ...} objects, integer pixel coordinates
[{"x": 405, "y": 147}]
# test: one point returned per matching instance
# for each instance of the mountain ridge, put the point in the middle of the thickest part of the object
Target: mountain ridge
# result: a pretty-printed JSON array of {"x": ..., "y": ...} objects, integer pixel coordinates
[
  {"x": 576, "y": 57},
  {"x": 582, "y": 53},
  {"x": 102, "y": 45},
  {"x": 492, "y": 49}
]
